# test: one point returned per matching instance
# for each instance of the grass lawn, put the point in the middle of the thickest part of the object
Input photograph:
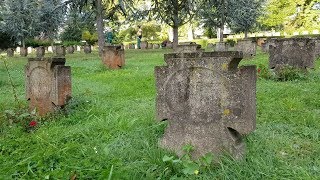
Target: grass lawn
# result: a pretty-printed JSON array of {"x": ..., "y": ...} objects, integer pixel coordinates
[{"x": 109, "y": 130}]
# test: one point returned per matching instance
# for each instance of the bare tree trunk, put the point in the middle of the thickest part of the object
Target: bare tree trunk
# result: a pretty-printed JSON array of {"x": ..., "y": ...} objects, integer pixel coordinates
[
  {"x": 221, "y": 33},
  {"x": 100, "y": 27},
  {"x": 222, "y": 20},
  {"x": 246, "y": 34},
  {"x": 175, "y": 37}
]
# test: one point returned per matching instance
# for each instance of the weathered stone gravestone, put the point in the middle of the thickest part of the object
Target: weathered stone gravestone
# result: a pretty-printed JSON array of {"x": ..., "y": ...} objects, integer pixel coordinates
[
  {"x": 209, "y": 102},
  {"x": 60, "y": 51},
  {"x": 317, "y": 48},
  {"x": 294, "y": 52},
  {"x": 190, "y": 47},
  {"x": 70, "y": 49},
  {"x": 113, "y": 57},
  {"x": 48, "y": 84},
  {"x": 10, "y": 52},
  {"x": 23, "y": 52},
  {"x": 144, "y": 45},
  {"x": 156, "y": 46},
  {"x": 87, "y": 49},
  {"x": 247, "y": 47},
  {"x": 221, "y": 46},
  {"x": 265, "y": 46},
  {"x": 40, "y": 51}
]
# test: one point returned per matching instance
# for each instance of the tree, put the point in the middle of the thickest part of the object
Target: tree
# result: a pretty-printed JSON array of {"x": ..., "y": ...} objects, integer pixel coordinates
[
  {"x": 20, "y": 19},
  {"x": 175, "y": 13},
  {"x": 50, "y": 18},
  {"x": 244, "y": 14},
  {"x": 216, "y": 13}
]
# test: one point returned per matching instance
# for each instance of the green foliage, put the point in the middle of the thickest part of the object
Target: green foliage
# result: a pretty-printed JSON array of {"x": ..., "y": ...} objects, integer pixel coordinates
[
  {"x": 90, "y": 38},
  {"x": 71, "y": 33},
  {"x": 210, "y": 33},
  {"x": 37, "y": 43},
  {"x": 203, "y": 43},
  {"x": 71, "y": 43},
  {"x": 289, "y": 73},
  {"x": 231, "y": 42},
  {"x": 244, "y": 14},
  {"x": 6, "y": 41}
]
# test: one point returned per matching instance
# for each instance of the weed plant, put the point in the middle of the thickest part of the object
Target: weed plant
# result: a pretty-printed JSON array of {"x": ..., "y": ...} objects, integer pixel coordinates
[{"x": 109, "y": 130}]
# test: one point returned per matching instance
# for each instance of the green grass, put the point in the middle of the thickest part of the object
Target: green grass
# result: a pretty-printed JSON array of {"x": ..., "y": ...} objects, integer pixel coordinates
[{"x": 111, "y": 124}]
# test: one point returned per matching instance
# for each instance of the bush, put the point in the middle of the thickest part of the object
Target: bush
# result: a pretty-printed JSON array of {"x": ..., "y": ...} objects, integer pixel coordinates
[
  {"x": 71, "y": 43},
  {"x": 231, "y": 42},
  {"x": 90, "y": 38},
  {"x": 289, "y": 73},
  {"x": 71, "y": 34},
  {"x": 6, "y": 41},
  {"x": 36, "y": 43}
]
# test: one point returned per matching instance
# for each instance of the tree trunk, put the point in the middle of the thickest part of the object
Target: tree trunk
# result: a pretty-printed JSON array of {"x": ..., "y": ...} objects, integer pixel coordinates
[
  {"x": 221, "y": 33},
  {"x": 100, "y": 27},
  {"x": 175, "y": 37},
  {"x": 246, "y": 34}
]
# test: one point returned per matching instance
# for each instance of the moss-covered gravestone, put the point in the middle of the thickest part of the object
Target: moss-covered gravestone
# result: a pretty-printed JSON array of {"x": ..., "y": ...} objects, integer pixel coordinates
[
  {"x": 208, "y": 101},
  {"x": 48, "y": 84},
  {"x": 247, "y": 47},
  {"x": 191, "y": 47},
  {"x": 113, "y": 56},
  {"x": 295, "y": 52}
]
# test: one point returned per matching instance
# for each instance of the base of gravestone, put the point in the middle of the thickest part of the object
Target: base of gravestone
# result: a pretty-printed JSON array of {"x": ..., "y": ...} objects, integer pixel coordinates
[
  {"x": 40, "y": 51},
  {"x": 247, "y": 47},
  {"x": 113, "y": 57},
  {"x": 23, "y": 52},
  {"x": 10, "y": 52}
]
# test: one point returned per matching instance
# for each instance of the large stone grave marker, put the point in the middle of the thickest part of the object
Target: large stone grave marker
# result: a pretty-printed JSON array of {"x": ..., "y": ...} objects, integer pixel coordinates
[
  {"x": 23, "y": 51},
  {"x": 113, "y": 56},
  {"x": 247, "y": 47},
  {"x": 87, "y": 49},
  {"x": 48, "y": 84},
  {"x": 10, "y": 52},
  {"x": 188, "y": 47},
  {"x": 317, "y": 47},
  {"x": 294, "y": 52},
  {"x": 221, "y": 46},
  {"x": 40, "y": 51},
  {"x": 209, "y": 102}
]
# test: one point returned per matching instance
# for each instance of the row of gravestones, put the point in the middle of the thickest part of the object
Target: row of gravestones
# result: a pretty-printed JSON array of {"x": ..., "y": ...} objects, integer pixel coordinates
[
  {"x": 41, "y": 50},
  {"x": 209, "y": 102},
  {"x": 146, "y": 45}
]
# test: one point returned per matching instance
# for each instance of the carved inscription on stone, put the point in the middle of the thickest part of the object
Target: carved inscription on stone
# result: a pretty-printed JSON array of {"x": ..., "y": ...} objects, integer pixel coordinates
[{"x": 208, "y": 101}]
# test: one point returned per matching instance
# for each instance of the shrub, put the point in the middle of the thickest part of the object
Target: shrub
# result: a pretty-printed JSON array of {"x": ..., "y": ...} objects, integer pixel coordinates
[
  {"x": 90, "y": 38},
  {"x": 231, "y": 42},
  {"x": 36, "y": 43},
  {"x": 289, "y": 73}
]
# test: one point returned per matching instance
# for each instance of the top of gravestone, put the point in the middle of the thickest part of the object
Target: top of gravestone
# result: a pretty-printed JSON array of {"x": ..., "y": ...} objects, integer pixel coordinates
[{"x": 233, "y": 54}]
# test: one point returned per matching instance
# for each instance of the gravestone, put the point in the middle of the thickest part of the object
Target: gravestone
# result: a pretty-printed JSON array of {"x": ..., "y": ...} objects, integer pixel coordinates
[
  {"x": 294, "y": 52},
  {"x": 184, "y": 48},
  {"x": 70, "y": 49},
  {"x": 156, "y": 46},
  {"x": 221, "y": 46},
  {"x": 317, "y": 47},
  {"x": 60, "y": 51},
  {"x": 48, "y": 84},
  {"x": 10, "y": 52},
  {"x": 209, "y": 102},
  {"x": 87, "y": 49},
  {"x": 144, "y": 45},
  {"x": 50, "y": 49},
  {"x": 78, "y": 48},
  {"x": 113, "y": 57},
  {"x": 40, "y": 51},
  {"x": 23, "y": 51},
  {"x": 265, "y": 46},
  {"x": 247, "y": 47},
  {"x": 30, "y": 50}
]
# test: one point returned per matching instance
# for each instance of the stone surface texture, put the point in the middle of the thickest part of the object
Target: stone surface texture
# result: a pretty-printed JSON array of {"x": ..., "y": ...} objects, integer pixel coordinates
[
  {"x": 60, "y": 51},
  {"x": 87, "y": 49},
  {"x": 40, "y": 51},
  {"x": 295, "y": 52},
  {"x": 10, "y": 52},
  {"x": 317, "y": 47},
  {"x": 23, "y": 52},
  {"x": 70, "y": 49},
  {"x": 184, "y": 48},
  {"x": 221, "y": 46},
  {"x": 113, "y": 57},
  {"x": 208, "y": 101},
  {"x": 247, "y": 47},
  {"x": 48, "y": 84}
]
